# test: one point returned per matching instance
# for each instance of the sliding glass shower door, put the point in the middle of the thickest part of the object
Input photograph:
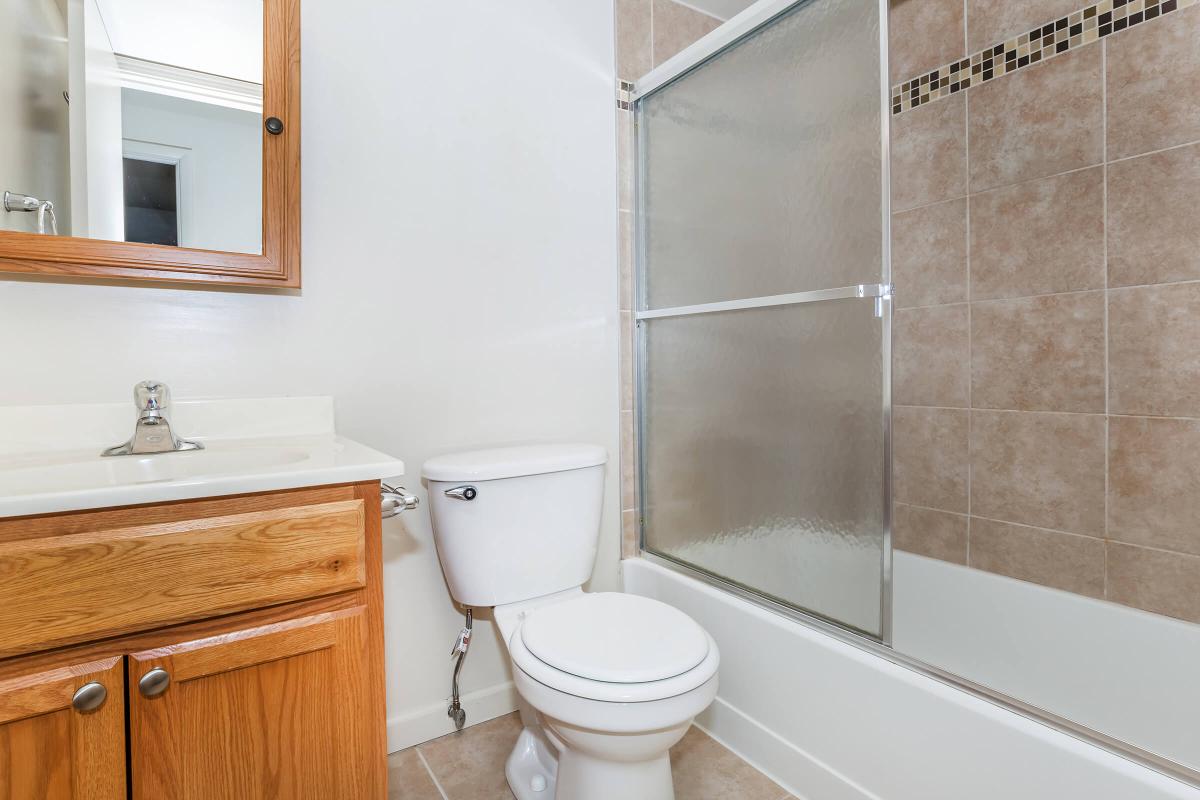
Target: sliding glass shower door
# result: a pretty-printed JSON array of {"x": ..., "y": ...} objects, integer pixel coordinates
[{"x": 763, "y": 314}]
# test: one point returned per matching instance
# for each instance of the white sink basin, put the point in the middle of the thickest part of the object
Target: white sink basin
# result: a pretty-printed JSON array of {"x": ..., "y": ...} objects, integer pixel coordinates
[
  {"x": 63, "y": 480},
  {"x": 76, "y": 471}
]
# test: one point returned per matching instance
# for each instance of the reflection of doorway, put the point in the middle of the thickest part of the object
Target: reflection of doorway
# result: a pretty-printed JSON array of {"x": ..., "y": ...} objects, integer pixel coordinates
[{"x": 158, "y": 192}]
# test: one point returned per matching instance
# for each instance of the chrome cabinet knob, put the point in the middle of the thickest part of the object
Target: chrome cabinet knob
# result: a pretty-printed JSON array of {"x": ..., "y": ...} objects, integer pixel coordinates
[
  {"x": 89, "y": 697},
  {"x": 154, "y": 682},
  {"x": 463, "y": 493}
]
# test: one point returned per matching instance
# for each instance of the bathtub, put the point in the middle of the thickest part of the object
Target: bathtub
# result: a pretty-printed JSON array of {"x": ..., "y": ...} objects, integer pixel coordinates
[{"x": 831, "y": 721}]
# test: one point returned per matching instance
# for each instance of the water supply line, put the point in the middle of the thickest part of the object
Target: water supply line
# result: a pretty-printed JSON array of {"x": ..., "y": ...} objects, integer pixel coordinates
[
  {"x": 14, "y": 201},
  {"x": 461, "y": 645}
]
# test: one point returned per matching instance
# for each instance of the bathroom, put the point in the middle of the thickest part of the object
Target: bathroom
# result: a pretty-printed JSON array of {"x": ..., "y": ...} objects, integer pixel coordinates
[{"x": 433, "y": 230}]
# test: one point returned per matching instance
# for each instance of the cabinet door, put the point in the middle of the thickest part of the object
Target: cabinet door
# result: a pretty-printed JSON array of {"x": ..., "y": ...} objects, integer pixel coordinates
[
  {"x": 62, "y": 731},
  {"x": 282, "y": 710}
]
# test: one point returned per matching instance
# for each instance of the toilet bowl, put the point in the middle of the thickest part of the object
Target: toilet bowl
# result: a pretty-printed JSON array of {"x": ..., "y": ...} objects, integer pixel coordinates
[{"x": 608, "y": 681}]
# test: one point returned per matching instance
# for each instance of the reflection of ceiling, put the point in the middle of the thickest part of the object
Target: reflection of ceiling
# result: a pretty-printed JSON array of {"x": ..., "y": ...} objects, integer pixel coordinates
[
  {"x": 221, "y": 37},
  {"x": 721, "y": 9}
]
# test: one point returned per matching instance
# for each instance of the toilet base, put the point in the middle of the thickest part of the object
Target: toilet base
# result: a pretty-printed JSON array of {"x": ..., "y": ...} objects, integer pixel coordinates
[
  {"x": 581, "y": 777},
  {"x": 532, "y": 767}
]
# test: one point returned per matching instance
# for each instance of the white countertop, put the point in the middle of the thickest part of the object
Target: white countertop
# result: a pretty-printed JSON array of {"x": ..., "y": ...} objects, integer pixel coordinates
[{"x": 50, "y": 455}]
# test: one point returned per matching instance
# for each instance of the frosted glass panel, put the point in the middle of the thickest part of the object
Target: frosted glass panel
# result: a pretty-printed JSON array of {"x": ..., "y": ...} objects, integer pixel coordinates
[
  {"x": 763, "y": 449},
  {"x": 762, "y": 168}
]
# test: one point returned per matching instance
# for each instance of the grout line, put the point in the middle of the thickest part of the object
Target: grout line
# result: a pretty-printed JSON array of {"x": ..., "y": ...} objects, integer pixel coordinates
[
  {"x": 1148, "y": 152},
  {"x": 1103, "y": 161},
  {"x": 1023, "y": 525},
  {"x": 923, "y": 206},
  {"x": 1185, "y": 282},
  {"x": 650, "y": 8},
  {"x": 436, "y": 783},
  {"x": 1152, "y": 417},
  {"x": 1036, "y": 178},
  {"x": 997, "y": 187}
]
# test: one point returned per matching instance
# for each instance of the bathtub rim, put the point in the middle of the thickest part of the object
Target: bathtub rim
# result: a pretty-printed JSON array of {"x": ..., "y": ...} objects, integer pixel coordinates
[{"x": 1117, "y": 747}]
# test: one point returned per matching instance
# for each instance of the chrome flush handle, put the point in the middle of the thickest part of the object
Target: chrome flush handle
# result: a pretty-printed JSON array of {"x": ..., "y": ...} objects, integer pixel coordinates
[{"x": 462, "y": 493}]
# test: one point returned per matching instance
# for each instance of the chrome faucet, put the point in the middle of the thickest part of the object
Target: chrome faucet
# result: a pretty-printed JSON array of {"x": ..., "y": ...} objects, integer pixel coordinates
[
  {"x": 14, "y": 201},
  {"x": 152, "y": 434}
]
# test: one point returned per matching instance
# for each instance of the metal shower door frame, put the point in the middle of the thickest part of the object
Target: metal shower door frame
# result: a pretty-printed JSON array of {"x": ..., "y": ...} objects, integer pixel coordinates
[{"x": 751, "y": 21}]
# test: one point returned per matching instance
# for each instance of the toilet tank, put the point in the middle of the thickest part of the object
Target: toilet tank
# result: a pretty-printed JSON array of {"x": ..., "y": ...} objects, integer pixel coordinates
[{"x": 515, "y": 523}]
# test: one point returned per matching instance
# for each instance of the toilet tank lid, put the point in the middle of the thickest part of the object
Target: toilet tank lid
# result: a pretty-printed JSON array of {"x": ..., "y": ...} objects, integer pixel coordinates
[{"x": 512, "y": 462}]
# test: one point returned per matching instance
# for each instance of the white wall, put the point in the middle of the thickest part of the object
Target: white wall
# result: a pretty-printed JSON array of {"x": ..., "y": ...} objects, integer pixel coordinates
[
  {"x": 830, "y": 721},
  {"x": 222, "y": 208},
  {"x": 460, "y": 281},
  {"x": 34, "y": 143}
]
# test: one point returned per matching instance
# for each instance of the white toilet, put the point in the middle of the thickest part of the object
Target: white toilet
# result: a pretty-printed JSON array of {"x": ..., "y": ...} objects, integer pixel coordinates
[{"x": 611, "y": 680}]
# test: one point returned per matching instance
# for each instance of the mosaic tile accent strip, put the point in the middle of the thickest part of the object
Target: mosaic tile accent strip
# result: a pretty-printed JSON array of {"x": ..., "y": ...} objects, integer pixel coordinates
[{"x": 1044, "y": 42}]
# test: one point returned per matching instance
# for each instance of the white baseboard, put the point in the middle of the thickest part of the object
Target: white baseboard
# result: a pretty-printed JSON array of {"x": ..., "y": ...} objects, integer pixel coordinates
[
  {"x": 781, "y": 761},
  {"x": 430, "y": 722}
]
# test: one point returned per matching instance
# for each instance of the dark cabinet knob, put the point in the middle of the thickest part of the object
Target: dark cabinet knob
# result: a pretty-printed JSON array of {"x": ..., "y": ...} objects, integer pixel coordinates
[{"x": 274, "y": 126}]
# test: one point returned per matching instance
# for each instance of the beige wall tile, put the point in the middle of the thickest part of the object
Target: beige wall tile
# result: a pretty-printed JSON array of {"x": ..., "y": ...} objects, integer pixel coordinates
[
  {"x": 1039, "y": 353},
  {"x": 929, "y": 459},
  {"x": 676, "y": 26},
  {"x": 929, "y": 154},
  {"x": 994, "y": 21},
  {"x": 625, "y": 149},
  {"x": 1154, "y": 350},
  {"x": 1038, "y": 121},
  {"x": 1154, "y": 85},
  {"x": 1044, "y": 470},
  {"x": 633, "y": 38},
  {"x": 1154, "y": 580},
  {"x": 922, "y": 35},
  {"x": 1154, "y": 482},
  {"x": 625, "y": 250},
  {"x": 408, "y": 779},
  {"x": 1151, "y": 236},
  {"x": 1061, "y": 560},
  {"x": 704, "y": 770},
  {"x": 628, "y": 462},
  {"x": 929, "y": 254},
  {"x": 626, "y": 366},
  {"x": 930, "y": 356},
  {"x": 629, "y": 533},
  {"x": 1039, "y": 237},
  {"x": 926, "y": 532}
]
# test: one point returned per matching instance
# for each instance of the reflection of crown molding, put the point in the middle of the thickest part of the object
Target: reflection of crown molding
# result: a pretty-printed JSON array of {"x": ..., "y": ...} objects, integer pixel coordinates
[{"x": 189, "y": 84}]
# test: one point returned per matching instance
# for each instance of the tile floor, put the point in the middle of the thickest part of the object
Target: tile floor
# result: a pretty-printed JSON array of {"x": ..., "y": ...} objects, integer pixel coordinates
[{"x": 470, "y": 766}]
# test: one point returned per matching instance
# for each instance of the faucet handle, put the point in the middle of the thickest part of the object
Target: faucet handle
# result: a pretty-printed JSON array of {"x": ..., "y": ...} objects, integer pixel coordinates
[{"x": 152, "y": 397}]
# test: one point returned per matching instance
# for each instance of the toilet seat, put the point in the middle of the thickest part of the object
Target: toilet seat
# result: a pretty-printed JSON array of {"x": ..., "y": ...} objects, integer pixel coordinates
[{"x": 613, "y": 647}]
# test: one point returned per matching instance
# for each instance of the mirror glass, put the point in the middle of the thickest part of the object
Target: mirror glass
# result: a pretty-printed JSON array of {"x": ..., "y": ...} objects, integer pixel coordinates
[{"x": 133, "y": 121}]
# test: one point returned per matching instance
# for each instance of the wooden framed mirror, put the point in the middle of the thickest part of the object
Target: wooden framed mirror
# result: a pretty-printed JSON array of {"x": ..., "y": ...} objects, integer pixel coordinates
[{"x": 151, "y": 141}]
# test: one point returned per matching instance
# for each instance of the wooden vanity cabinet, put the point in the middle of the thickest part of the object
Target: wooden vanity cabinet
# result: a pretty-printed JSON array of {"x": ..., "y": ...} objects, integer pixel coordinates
[
  {"x": 276, "y": 700},
  {"x": 47, "y": 748}
]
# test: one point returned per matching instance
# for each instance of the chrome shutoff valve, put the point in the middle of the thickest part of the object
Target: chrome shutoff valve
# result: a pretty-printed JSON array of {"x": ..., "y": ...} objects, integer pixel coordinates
[{"x": 456, "y": 712}]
